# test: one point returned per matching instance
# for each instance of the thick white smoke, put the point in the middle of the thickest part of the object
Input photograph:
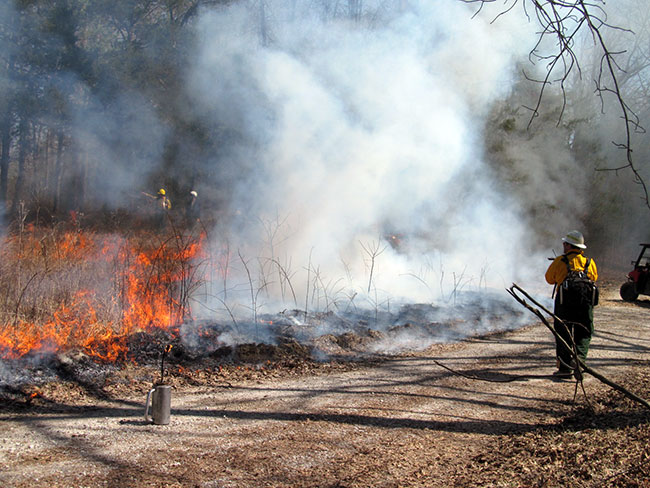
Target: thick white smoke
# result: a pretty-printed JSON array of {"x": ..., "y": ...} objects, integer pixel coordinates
[{"x": 362, "y": 169}]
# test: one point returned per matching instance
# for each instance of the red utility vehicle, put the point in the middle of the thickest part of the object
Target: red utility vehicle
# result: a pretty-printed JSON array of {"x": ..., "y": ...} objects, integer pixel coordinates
[{"x": 637, "y": 280}]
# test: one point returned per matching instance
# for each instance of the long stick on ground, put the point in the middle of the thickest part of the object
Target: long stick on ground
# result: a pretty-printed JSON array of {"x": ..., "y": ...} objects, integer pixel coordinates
[{"x": 516, "y": 288}]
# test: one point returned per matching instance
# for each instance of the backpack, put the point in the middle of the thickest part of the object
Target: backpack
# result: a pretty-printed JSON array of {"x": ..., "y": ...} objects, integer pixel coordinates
[{"x": 577, "y": 288}]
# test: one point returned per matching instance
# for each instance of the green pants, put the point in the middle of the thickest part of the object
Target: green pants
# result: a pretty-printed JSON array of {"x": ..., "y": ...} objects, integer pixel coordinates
[{"x": 577, "y": 329}]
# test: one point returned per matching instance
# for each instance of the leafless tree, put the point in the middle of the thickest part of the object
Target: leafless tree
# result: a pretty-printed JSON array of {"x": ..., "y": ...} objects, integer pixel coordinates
[{"x": 563, "y": 22}]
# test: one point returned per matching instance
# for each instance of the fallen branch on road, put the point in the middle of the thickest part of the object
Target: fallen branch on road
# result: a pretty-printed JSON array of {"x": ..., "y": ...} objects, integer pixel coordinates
[
  {"x": 472, "y": 377},
  {"x": 580, "y": 364},
  {"x": 518, "y": 377}
]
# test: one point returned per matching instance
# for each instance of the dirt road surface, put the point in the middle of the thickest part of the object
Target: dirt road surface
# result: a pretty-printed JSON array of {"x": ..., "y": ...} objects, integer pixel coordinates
[{"x": 405, "y": 421}]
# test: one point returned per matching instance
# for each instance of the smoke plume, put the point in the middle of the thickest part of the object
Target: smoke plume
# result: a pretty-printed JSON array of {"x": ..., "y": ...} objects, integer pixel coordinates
[{"x": 358, "y": 169}]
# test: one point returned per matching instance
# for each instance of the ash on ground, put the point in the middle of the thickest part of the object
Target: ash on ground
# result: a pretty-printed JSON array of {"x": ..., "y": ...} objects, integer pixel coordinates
[
  {"x": 359, "y": 333},
  {"x": 291, "y": 339}
]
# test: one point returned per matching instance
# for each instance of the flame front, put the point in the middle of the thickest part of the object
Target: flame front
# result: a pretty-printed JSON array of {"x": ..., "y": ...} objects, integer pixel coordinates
[{"x": 144, "y": 288}]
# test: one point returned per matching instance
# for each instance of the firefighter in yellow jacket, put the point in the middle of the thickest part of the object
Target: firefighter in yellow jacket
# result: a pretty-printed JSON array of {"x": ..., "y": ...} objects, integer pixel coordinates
[
  {"x": 578, "y": 317},
  {"x": 163, "y": 206}
]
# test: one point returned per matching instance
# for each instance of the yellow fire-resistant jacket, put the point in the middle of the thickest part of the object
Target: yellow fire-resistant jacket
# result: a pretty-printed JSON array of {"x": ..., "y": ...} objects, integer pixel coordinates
[{"x": 557, "y": 271}]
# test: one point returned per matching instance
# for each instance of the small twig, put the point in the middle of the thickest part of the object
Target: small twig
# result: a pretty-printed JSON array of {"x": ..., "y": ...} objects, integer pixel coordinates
[
  {"x": 308, "y": 278},
  {"x": 20, "y": 298},
  {"x": 166, "y": 350},
  {"x": 250, "y": 282},
  {"x": 228, "y": 309},
  {"x": 287, "y": 279},
  {"x": 478, "y": 378},
  {"x": 373, "y": 252}
]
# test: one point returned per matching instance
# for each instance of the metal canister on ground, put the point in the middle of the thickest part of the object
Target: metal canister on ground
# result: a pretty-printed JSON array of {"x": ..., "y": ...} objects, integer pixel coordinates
[{"x": 160, "y": 398}]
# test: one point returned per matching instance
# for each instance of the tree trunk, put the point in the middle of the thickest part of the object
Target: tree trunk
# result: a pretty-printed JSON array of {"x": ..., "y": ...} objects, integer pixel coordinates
[
  {"x": 58, "y": 169},
  {"x": 264, "y": 32},
  {"x": 46, "y": 170},
  {"x": 23, "y": 142},
  {"x": 71, "y": 181},
  {"x": 354, "y": 9},
  {"x": 81, "y": 176},
  {"x": 4, "y": 156}
]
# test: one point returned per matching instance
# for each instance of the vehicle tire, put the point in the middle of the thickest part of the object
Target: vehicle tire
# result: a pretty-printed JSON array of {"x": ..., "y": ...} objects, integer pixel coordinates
[{"x": 628, "y": 292}]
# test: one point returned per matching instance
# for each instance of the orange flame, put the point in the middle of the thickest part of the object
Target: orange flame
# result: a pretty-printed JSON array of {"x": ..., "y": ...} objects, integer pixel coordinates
[{"x": 147, "y": 285}]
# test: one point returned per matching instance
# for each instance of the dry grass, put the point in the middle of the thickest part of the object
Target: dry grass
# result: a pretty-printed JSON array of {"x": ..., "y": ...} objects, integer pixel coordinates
[{"x": 64, "y": 287}]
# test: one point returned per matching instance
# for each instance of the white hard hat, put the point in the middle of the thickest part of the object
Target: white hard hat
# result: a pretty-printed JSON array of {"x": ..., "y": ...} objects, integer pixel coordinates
[
  {"x": 193, "y": 193},
  {"x": 575, "y": 238}
]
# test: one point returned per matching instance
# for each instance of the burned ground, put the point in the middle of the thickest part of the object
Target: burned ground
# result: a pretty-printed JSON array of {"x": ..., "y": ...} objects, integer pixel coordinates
[{"x": 481, "y": 412}]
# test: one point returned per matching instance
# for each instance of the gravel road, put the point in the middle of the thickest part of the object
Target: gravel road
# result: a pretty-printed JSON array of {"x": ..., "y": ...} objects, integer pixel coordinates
[{"x": 412, "y": 420}]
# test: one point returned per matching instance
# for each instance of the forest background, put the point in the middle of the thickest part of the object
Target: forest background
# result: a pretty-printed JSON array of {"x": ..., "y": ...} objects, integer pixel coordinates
[{"x": 99, "y": 103}]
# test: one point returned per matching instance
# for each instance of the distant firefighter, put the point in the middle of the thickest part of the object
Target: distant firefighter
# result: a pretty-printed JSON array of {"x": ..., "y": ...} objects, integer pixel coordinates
[
  {"x": 192, "y": 210},
  {"x": 163, "y": 206},
  {"x": 164, "y": 203}
]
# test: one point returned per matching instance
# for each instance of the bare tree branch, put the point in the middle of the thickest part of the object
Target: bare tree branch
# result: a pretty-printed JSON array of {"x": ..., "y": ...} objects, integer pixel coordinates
[{"x": 563, "y": 21}]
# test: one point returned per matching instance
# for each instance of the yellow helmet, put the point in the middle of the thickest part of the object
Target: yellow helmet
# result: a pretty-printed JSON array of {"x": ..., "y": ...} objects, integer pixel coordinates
[{"x": 161, "y": 191}]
